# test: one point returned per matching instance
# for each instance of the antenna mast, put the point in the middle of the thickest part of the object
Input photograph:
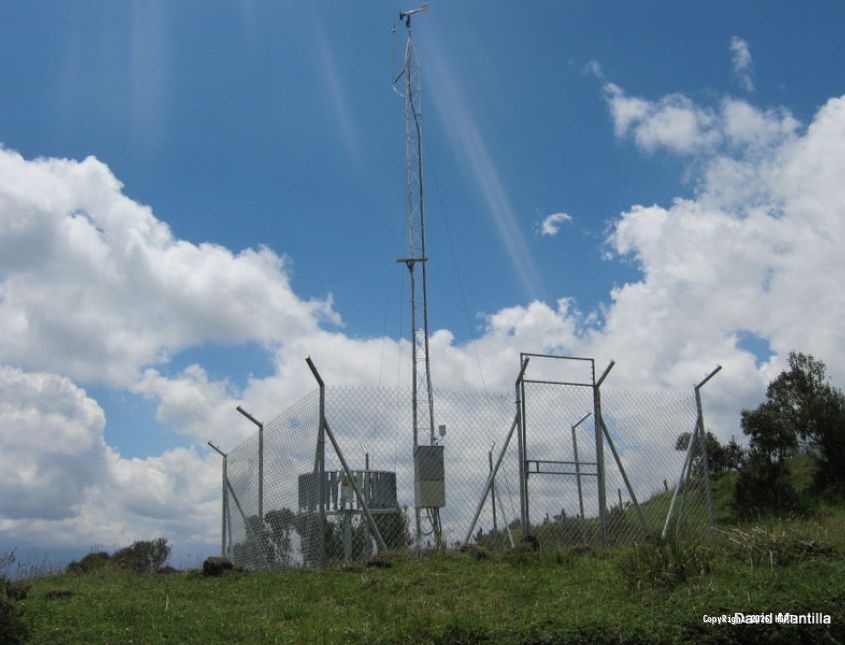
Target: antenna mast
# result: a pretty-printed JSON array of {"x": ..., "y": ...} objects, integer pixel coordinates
[{"x": 422, "y": 401}]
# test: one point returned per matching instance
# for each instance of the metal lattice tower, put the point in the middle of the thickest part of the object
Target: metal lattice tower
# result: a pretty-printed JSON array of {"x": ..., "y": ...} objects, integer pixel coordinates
[{"x": 422, "y": 400}]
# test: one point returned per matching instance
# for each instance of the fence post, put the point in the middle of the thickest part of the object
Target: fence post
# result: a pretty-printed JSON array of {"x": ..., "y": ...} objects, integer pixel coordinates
[
  {"x": 578, "y": 476},
  {"x": 600, "y": 453},
  {"x": 320, "y": 462},
  {"x": 704, "y": 453},
  {"x": 680, "y": 481},
  {"x": 523, "y": 477},
  {"x": 223, "y": 502},
  {"x": 260, "y": 460},
  {"x": 493, "y": 490}
]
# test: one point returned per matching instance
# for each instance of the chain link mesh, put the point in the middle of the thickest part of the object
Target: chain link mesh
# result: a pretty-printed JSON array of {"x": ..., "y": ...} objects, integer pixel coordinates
[{"x": 278, "y": 524}]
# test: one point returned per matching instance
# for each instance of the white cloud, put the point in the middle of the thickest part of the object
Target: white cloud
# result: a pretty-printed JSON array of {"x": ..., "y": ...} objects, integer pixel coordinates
[
  {"x": 551, "y": 224},
  {"x": 742, "y": 62},
  {"x": 51, "y": 445},
  {"x": 93, "y": 286},
  {"x": 673, "y": 122},
  {"x": 60, "y": 484},
  {"x": 680, "y": 126}
]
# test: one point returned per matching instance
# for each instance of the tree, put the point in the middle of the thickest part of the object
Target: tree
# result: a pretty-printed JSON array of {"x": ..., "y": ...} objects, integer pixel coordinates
[
  {"x": 813, "y": 410},
  {"x": 143, "y": 556},
  {"x": 800, "y": 403}
]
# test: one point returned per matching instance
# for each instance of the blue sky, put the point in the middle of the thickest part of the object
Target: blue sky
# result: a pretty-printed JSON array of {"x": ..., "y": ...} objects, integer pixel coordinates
[{"x": 273, "y": 124}]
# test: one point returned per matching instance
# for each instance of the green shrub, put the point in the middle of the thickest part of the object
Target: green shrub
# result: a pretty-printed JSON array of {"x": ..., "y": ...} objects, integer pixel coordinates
[
  {"x": 764, "y": 486},
  {"x": 95, "y": 561},
  {"x": 13, "y": 628},
  {"x": 664, "y": 564},
  {"x": 143, "y": 556}
]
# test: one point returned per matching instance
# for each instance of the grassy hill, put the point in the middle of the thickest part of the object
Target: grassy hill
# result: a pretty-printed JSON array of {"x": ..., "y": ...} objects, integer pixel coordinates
[{"x": 644, "y": 594}]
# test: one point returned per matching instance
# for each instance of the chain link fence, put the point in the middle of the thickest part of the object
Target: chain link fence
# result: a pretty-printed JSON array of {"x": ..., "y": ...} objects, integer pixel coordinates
[{"x": 272, "y": 482}]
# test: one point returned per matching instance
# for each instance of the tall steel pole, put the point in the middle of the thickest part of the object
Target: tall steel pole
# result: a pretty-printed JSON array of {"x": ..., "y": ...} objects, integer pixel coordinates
[{"x": 422, "y": 400}]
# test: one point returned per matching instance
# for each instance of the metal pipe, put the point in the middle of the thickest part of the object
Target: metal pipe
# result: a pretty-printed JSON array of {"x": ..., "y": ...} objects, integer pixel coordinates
[
  {"x": 625, "y": 479},
  {"x": 520, "y": 445},
  {"x": 222, "y": 502},
  {"x": 320, "y": 461},
  {"x": 361, "y": 500},
  {"x": 709, "y": 376},
  {"x": 605, "y": 373},
  {"x": 571, "y": 358},
  {"x": 255, "y": 539},
  {"x": 527, "y": 527},
  {"x": 571, "y": 384},
  {"x": 260, "y": 459},
  {"x": 678, "y": 484},
  {"x": 578, "y": 466},
  {"x": 493, "y": 495},
  {"x": 705, "y": 454},
  {"x": 491, "y": 479},
  {"x": 224, "y": 510},
  {"x": 602, "y": 493}
]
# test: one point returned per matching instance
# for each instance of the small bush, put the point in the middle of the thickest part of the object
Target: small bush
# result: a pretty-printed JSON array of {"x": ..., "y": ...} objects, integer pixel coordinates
[
  {"x": 143, "y": 556},
  {"x": 95, "y": 561},
  {"x": 658, "y": 564},
  {"x": 13, "y": 628}
]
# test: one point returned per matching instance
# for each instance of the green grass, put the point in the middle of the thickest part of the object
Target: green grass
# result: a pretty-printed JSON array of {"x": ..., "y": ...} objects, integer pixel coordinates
[
  {"x": 547, "y": 597},
  {"x": 645, "y": 594}
]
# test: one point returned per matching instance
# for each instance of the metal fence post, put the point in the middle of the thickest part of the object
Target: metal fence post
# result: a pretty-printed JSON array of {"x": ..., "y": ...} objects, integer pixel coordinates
[
  {"x": 224, "y": 510},
  {"x": 520, "y": 417},
  {"x": 320, "y": 462},
  {"x": 260, "y": 460},
  {"x": 578, "y": 476},
  {"x": 600, "y": 454},
  {"x": 493, "y": 489},
  {"x": 224, "y": 505},
  {"x": 687, "y": 464},
  {"x": 704, "y": 453}
]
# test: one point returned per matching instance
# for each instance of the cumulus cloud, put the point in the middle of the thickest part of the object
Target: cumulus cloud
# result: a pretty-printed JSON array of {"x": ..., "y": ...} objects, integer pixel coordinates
[
  {"x": 673, "y": 122},
  {"x": 51, "y": 445},
  {"x": 677, "y": 124},
  {"x": 551, "y": 224},
  {"x": 61, "y": 484},
  {"x": 93, "y": 286},
  {"x": 741, "y": 60}
]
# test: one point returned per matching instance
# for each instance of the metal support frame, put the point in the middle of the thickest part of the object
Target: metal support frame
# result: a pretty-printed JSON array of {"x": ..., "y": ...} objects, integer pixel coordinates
[
  {"x": 524, "y": 471},
  {"x": 687, "y": 466}
]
